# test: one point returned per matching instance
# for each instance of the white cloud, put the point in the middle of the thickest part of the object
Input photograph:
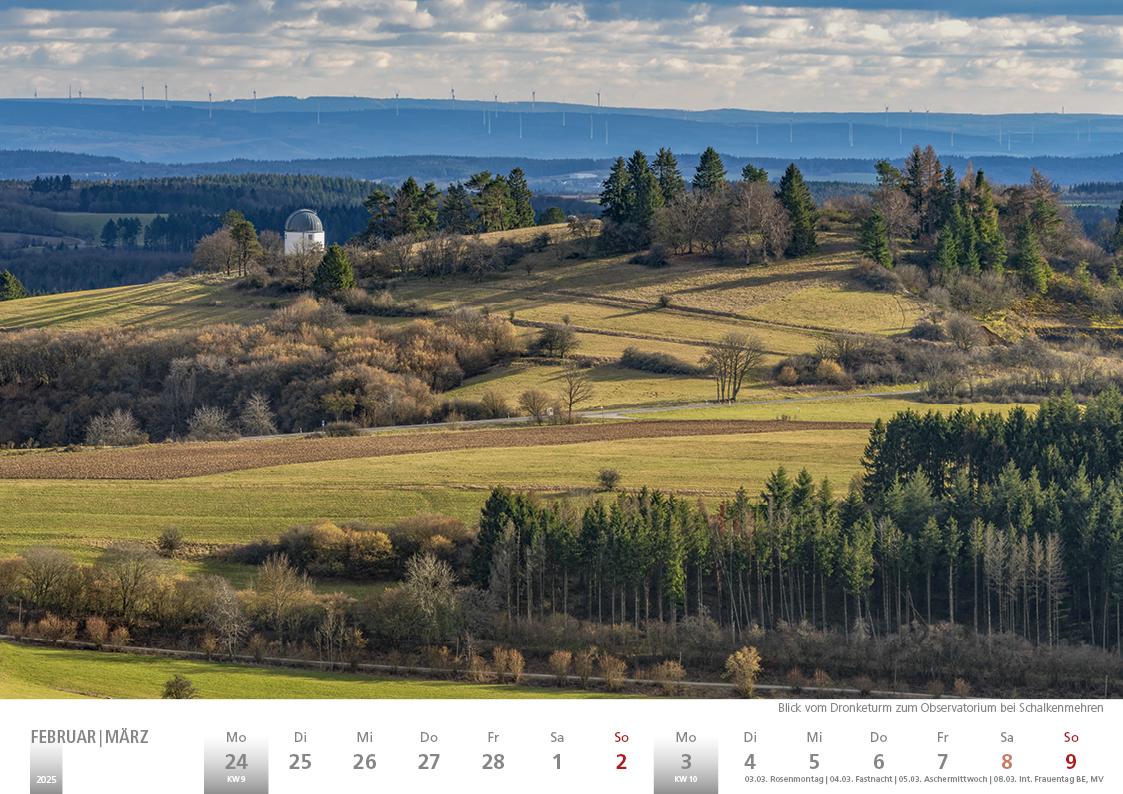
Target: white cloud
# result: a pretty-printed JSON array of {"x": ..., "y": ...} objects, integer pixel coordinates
[{"x": 700, "y": 55}]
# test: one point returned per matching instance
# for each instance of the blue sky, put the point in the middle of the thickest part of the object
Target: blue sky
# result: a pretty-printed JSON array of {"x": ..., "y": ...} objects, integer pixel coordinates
[{"x": 981, "y": 56}]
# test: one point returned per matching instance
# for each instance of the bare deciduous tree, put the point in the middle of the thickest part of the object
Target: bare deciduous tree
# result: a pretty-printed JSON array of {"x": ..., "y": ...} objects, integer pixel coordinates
[
  {"x": 226, "y": 616},
  {"x": 536, "y": 403},
  {"x": 216, "y": 253},
  {"x": 131, "y": 573},
  {"x": 897, "y": 212},
  {"x": 760, "y": 221},
  {"x": 729, "y": 361},
  {"x": 576, "y": 389},
  {"x": 280, "y": 590}
]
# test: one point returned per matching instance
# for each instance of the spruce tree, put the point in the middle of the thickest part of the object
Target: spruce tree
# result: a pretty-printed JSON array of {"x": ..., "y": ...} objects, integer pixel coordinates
[
  {"x": 802, "y": 215},
  {"x": 109, "y": 234},
  {"x": 1117, "y": 237},
  {"x": 966, "y": 237},
  {"x": 646, "y": 195},
  {"x": 334, "y": 272},
  {"x": 874, "y": 240},
  {"x": 710, "y": 174},
  {"x": 456, "y": 213},
  {"x": 947, "y": 252},
  {"x": 671, "y": 183},
  {"x": 750, "y": 173},
  {"x": 992, "y": 243},
  {"x": 10, "y": 287},
  {"x": 522, "y": 209},
  {"x": 1029, "y": 260},
  {"x": 615, "y": 193}
]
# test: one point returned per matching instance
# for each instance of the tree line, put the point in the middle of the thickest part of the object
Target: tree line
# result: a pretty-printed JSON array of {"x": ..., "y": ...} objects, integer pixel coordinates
[
  {"x": 997, "y": 524},
  {"x": 308, "y": 373},
  {"x": 485, "y": 203},
  {"x": 646, "y": 202}
]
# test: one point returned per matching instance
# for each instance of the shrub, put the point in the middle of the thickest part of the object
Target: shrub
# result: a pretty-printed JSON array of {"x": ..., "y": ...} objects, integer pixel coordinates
[
  {"x": 935, "y": 688},
  {"x": 52, "y": 627},
  {"x": 97, "y": 631},
  {"x": 560, "y": 662},
  {"x": 14, "y": 629},
  {"x": 500, "y": 659},
  {"x": 670, "y": 675},
  {"x": 170, "y": 541},
  {"x": 208, "y": 645},
  {"x": 664, "y": 301},
  {"x": 656, "y": 256},
  {"x": 179, "y": 688},
  {"x": 118, "y": 428},
  {"x": 536, "y": 404},
  {"x": 864, "y": 684},
  {"x": 787, "y": 376},
  {"x": 210, "y": 423},
  {"x": 964, "y": 332},
  {"x": 742, "y": 668},
  {"x": 912, "y": 278},
  {"x": 583, "y": 662},
  {"x": 340, "y": 429},
  {"x": 557, "y": 340},
  {"x": 608, "y": 479},
  {"x": 257, "y": 417},
  {"x": 257, "y": 647},
  {"x": 119, "y": 636},
  {"x": 516, "y": 665},
  {"x": 494, "y": 405},
  {"x": 961, "y": 688},
  {"x": 927, "y": 331},
  {"x": 661, "y": 363},
  {"x": 829, "y": 371},
  {"x": 478, "y": 670},
  {"x": 612, "y": 670},
  {"x": 876, "y": 276},
  {"x": 821, "y": 679}
]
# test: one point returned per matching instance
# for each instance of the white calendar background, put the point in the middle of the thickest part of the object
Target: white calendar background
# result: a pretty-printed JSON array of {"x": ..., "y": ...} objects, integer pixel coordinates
[{"x": 594, "y": 746}]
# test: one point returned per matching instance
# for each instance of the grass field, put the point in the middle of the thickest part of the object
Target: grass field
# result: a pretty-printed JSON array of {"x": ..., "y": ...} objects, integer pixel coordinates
[
  {"x": 860, "y": 409},
  {"x": 86, "y": 515},
  {"x": 89, "y": 224},
  {"x": 41, "y": 672},
  {"x": 187, "y": 302}
]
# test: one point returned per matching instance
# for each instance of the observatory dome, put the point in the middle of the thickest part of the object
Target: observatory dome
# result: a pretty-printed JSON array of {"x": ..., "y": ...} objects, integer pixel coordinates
[{"x": 304, "y": 221}]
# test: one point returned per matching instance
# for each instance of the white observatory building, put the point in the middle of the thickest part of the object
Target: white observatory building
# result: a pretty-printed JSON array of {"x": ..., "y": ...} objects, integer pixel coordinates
[{"x": 303, "y": 233}]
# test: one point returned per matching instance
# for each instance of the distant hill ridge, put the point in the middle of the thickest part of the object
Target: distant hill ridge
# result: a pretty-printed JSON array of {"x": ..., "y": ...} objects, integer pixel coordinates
[
  {"x": 287, "y": 128},
  {"x": 561, "y": 175}
]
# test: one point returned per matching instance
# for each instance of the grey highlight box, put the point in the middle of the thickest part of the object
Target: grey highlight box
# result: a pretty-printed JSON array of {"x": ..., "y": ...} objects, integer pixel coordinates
[
  {"x": 685, "y": 763},
  {"x": 46, "y": 769},
  {"x": 236, "y": 764}
]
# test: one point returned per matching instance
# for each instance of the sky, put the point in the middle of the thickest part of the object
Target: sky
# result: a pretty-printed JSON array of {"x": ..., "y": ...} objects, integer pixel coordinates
[{"x": 960, "y": 55}]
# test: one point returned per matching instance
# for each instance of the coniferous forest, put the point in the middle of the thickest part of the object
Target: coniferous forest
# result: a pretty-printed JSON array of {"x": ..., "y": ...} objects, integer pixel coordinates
[{"x": 997, "y": 524}]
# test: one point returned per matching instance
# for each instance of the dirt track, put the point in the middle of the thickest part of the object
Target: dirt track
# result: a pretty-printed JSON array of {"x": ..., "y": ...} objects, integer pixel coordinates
[{"x": 172, "y": 461}]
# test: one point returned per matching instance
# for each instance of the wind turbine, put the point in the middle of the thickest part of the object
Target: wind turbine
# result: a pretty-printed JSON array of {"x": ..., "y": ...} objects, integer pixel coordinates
[
  {"x": 142, "y": 97},
  {"x": 210, "y": 105},
  {"x": 165, "y": 96},
  {"x": 255, "y": 100},
  {"x": 533, "y": 100}
]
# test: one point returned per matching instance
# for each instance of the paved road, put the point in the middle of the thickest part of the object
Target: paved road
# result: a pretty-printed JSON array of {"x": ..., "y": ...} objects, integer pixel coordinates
[{"x": 624, "y": 412}]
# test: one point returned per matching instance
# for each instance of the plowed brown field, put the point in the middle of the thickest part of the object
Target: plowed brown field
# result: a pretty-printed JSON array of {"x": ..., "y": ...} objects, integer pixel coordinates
[{"x": 172, "y": 461}]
